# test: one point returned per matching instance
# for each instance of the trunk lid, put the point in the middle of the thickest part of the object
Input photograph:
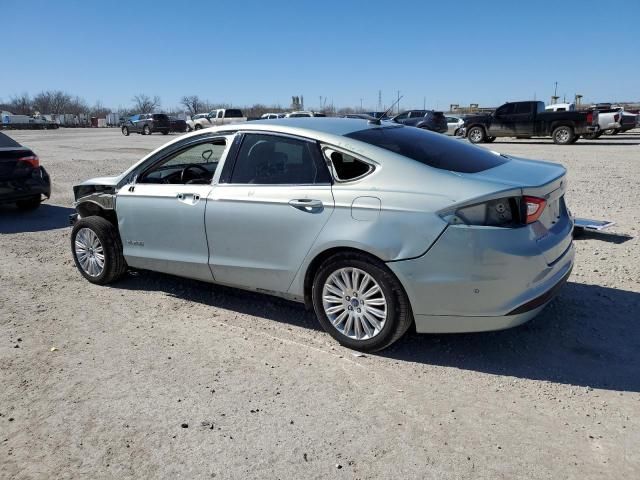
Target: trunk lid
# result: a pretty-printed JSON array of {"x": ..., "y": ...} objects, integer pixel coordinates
[
  {"x": 9, "y": 167},
  {"x": 552, "y": 230}
]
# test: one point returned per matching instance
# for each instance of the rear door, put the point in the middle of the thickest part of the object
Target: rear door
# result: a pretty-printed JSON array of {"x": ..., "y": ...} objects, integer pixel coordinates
[
  {"x": 161, "y": 215},
  {"x": 502, "y": 124},
  {"x": 268, "y": 208},
  {"x": 524, "y": 119}
]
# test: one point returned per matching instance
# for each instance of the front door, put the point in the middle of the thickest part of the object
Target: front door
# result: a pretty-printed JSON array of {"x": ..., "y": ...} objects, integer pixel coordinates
[
  {"x": 161, "y": 215},
  {"x": 264, "y": 215}
]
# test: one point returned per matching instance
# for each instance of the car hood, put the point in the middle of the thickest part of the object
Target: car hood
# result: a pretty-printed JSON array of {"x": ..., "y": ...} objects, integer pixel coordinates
[{"x": 106, "y": 181}]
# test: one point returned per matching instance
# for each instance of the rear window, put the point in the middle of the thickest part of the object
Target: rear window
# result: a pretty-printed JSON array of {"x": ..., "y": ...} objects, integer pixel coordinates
[
  {"x": 7, "y": 142},
  {"x": 160, "y": 116},
  {"x": 433, "y": 149},
  {"x": 233, "y": 113}
]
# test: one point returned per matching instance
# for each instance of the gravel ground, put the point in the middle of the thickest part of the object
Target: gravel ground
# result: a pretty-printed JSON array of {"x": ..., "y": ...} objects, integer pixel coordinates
[{"x": 160, "y": 377}]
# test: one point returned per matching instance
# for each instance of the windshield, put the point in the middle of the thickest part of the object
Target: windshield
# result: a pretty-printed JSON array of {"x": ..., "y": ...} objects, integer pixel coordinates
[{"x": 433, "y": 149}]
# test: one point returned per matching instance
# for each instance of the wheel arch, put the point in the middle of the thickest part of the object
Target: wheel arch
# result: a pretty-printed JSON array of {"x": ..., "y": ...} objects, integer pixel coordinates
[
  {"x": 320, "y": 257},
  {"x": 91, "y": 208}
]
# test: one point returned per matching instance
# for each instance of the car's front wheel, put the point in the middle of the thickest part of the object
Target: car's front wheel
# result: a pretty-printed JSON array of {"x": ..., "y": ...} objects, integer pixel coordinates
[
  {"x": 476, "y": 135},
  {"x": 359, "y": 302},
  {"x": 97, "y": 250},
  {"x": 146, "y": 130},
  {"x": 125, "y": 131}
]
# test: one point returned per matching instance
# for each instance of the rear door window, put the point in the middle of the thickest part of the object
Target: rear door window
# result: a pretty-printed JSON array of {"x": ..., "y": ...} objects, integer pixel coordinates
[
  {"x": 277, "y": 160},
  {"x": 432, "y": 149}
]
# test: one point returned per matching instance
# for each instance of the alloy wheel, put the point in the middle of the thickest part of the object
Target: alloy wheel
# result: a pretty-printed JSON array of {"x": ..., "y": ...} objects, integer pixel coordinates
[
  {"x": 89, "y": 252},
  {"x": 354, "y": 303}
]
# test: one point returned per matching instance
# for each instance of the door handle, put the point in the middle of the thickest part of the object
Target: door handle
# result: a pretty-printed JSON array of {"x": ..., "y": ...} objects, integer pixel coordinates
[
  {"x": 185, "y": 196},
  {"x": 306, "y": 204}
]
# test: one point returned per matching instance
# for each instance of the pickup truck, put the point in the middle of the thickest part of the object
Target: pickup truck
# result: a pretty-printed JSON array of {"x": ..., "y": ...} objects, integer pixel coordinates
[
  {"x": 529, "y": 119},
  {"x": 221, "y": 116}
]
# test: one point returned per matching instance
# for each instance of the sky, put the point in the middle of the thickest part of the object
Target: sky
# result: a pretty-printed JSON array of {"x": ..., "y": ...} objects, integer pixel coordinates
[{"x": 434, "y": 53}]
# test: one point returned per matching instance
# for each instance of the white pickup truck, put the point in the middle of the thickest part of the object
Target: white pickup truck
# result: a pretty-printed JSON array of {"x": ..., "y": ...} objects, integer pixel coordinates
[{"x": 221, "y": 116}]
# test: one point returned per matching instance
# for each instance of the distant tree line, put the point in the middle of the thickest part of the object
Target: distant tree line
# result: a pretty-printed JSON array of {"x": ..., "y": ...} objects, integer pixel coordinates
[{"x": 58, "y": 101}]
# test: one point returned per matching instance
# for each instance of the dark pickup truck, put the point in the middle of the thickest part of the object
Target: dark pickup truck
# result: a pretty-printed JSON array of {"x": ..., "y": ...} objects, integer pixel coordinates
[{"x": 529, "y": 119}]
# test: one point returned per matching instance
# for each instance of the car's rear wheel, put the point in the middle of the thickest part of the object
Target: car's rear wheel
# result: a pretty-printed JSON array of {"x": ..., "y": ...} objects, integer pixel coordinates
[
  {"x": 165, "y": 132},
  {"x": 197, "y": 127},
  {"x": 563, "y": 135},
  {"x": 476, "y": 135},
  {"x": 575, "y": 139},
  {"x": 125, "y": 131},
  {"x": 29, "y": 203},
  {"x": 359, "y": 302},
  {"x": 97, "y": 250},
  {"x": 146, "y": 130}
]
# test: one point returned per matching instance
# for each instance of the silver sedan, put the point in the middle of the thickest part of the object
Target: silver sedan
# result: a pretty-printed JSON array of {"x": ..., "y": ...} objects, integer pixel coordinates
[{"x": 376, "y": 226}]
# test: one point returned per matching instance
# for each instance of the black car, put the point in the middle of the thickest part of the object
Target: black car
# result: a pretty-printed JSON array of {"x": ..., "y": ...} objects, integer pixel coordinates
[
  {"x": 177, "y": 125},
  {"x": 22, "y": 180},
  {"x": 146, "y": 124},
  {"x": 426, "y": 119}
]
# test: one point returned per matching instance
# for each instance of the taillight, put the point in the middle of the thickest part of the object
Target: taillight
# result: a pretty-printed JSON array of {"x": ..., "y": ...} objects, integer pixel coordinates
[
  {"x": 32, "y": 160},
  {"x": 590, "y": 117},
  {"x": 535, "y": 206}
]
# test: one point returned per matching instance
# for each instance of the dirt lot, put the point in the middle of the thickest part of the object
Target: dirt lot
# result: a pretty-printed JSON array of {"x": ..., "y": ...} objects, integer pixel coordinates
[{"x": 266, "y": 394}]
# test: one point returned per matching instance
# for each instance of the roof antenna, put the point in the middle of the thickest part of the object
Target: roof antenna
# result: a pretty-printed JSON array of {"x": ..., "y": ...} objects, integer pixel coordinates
[{"x": 378, "y": 121}]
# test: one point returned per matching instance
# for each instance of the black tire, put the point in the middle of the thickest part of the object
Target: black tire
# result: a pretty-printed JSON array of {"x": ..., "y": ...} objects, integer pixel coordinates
[
  {"x": 399, "y": 316},
  {"x": 115, "y": 265},
  {"x": 476, "y": 135},
  {"x": 165, "y": 132},
  {"x": 615, "y": 131},
  {"x": 197, "y": 127},
  {"x": 29, "y": 203},
  {"x": 575, "y": 139},
  {"x": 592, "y": 135},
  {"x": 563, "y": 135},
  {"x": 125, "y": 131},
  {"x": 609, "y": 131},
  {"x": 146, "y": 130},
  {"x": 489, "y": 139}
]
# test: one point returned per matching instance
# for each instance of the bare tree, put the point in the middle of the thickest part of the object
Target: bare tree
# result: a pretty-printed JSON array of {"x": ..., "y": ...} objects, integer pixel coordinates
[
  {"x": 145, "y": 104},
  {"x": 194, "y": 104},
  {"x": 20, "y": 104}
]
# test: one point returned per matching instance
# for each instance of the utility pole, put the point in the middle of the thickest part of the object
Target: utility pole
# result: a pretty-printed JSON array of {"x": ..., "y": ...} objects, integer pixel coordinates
[
  {"x": 424, "y": 103},
  {"x": 380, "y": 100},
  {"x": 360, "y": 105},
  {"x": 398, "y": 101}
]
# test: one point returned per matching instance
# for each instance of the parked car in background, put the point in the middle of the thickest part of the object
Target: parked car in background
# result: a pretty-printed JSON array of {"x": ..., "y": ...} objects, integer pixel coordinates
[
  {"x": 146, "y": 124},
  {"x": 455, "y": 125},
  {"x": 529, "y": 119},
  {"x": 609, "y": 119},
  {"x": 23, "y": 180},
  {"x": 221, "y": 116},
  {"x": 177, "y": 125},
  {"x": 377, "y": 227},
  {"x": 361, "y": 116},
  {"x": 379, "y": 115},
  {"x": 271, "y": 116},
  {"x": 304, "y": 113},
  {"x": 425, "y": 119}
]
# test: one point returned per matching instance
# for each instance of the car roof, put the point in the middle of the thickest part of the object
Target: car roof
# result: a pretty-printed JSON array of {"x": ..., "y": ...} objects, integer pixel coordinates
[{"x": 308, "y": 126}]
